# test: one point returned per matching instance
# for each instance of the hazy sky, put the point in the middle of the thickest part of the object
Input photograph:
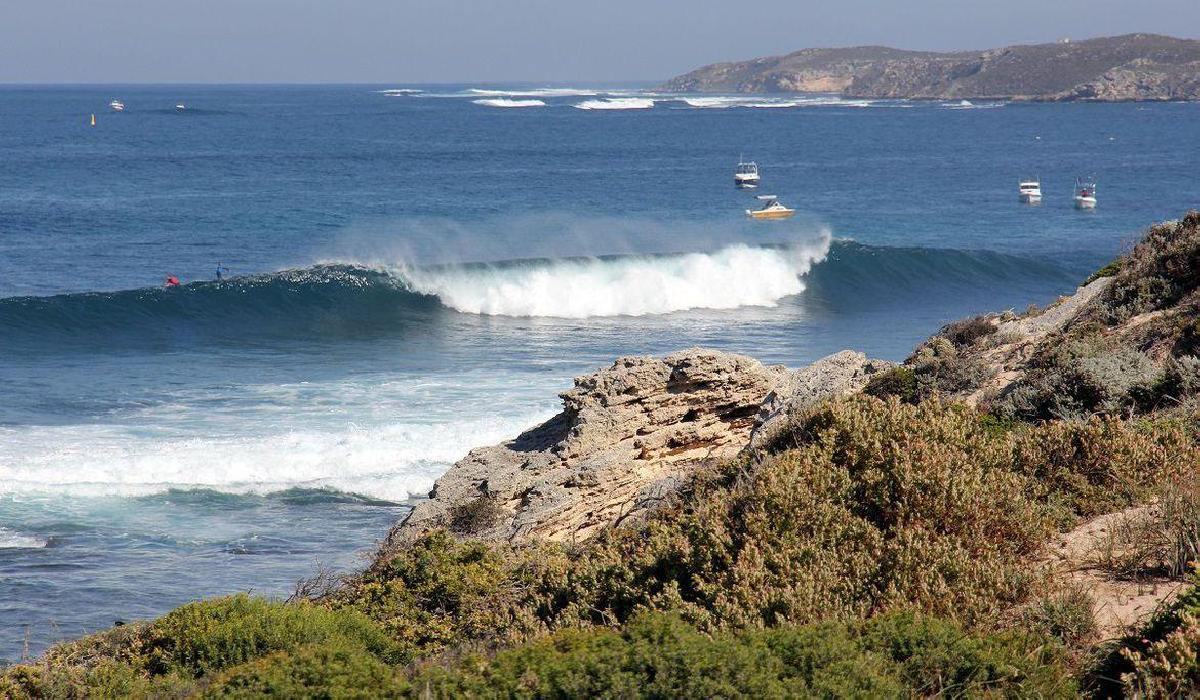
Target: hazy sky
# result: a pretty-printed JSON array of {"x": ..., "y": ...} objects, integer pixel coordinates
[{"x": 403, "y": 41}]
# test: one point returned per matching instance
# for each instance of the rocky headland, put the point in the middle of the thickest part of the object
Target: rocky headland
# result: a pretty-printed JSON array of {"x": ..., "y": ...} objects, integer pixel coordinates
[{"x": 1133, "y": 67}]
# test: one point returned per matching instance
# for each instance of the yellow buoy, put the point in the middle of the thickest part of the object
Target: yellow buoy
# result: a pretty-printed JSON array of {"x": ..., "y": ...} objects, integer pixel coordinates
[{"x": 93, "y": 120}]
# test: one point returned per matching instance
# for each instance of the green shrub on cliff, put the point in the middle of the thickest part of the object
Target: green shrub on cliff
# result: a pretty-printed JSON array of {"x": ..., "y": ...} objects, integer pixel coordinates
[
  {"x": 659, "y": 656},
  {"x": 1162, "y": 270}
]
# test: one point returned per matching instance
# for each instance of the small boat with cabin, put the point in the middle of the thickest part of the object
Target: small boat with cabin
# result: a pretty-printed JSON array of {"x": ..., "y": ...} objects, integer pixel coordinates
[
  {"x": 746, "y": 174},
  {"x": 117, "y": 106},
  {"x": 771, "y": 209},
  {"x": 1085, "y": 193},
  {"x": 1029, "y": 190}
]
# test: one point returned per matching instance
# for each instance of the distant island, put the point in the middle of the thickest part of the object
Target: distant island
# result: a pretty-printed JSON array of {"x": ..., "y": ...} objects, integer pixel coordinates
[{"x": 1132, "y": 67}]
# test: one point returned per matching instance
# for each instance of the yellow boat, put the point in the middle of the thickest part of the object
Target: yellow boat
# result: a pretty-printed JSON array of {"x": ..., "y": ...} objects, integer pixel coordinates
[{"x": 771, "y": 209}]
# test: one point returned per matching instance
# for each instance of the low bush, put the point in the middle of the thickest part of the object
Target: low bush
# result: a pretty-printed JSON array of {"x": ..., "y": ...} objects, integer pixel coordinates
[
  {"x": 309, "y": 671},
  {"x": 899, "y": 381},
  {"x": 475, "y": 515},
  {"x": 968, "y": 332},
  {"x": 1161, "y": 270},
  {"x": 212, "y": 635},
  {"x": 659, "y": 656},
  {"x": 1079, "y": 379}
]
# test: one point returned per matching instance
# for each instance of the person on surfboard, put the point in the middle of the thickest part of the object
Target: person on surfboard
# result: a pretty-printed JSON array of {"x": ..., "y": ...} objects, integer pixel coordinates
[{"x": 172, "y": 281}]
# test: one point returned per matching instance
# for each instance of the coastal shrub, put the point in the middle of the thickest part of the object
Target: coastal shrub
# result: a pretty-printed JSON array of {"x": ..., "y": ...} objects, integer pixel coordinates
[
  {"x": 439, "y": 592},
  {"x": 941, "y": 369},
  {"x": 967, "y": 332},
  {"x": 1162, "y": 269},
  {"x": 310, "y": 671},
  {"x": 1109, "y": 270},
  {"x": 660, "y": 656},
  {"x": 899, "y": 381},
  {"x": 212, "y": 635},
  {"x": 1067, "y": 615},
  {"x": 1081, "y": 378},
  {"x": 475, "y": 515}
]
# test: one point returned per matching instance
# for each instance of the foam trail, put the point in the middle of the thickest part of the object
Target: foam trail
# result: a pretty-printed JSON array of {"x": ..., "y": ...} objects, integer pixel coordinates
[
  {"x": 736, "y": 276},
  {"x": 390, "y": 462},
  {"x": 617, "y": 103},
  {"x": 505, "y": 102},
  {"x": 400, "y": 91}
]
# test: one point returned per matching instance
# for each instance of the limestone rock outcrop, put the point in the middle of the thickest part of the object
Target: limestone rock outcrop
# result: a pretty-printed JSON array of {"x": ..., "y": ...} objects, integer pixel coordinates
[{"x": 628, "y": 436}]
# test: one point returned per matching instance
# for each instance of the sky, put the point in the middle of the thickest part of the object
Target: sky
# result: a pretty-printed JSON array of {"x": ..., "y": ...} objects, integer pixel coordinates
[{"x": 551, "y": 41}]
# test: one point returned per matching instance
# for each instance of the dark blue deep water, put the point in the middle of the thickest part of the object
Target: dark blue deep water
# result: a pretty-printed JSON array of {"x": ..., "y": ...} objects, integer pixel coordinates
[{"x": 415, "y": 274}]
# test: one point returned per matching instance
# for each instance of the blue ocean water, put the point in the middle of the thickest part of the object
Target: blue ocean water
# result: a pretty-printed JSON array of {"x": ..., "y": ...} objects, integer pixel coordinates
[{"x": 416, "y": 273}]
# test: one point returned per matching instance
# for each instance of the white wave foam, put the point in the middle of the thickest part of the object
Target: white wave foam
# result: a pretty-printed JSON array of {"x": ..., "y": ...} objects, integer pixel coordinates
[
  {"x": 967, "y": 104},
  {"x": 535, "y": 92},
  {"x": 617, "y": 103},
  {"x": 15, "y": 540},
  {"x": 400, "y": 91},
  {"x": 505, "y": 102},
  {"x": 391, "y": 461},
  {"x": 758, "y": 102},
  {"x": 627, "y": 286}
]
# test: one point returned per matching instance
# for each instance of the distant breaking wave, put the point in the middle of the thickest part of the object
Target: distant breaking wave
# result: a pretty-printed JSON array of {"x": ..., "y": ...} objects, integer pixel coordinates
[
  {"x": 617, "y": 103},
  {"x": 506, "y": 102},
  {"x": 535, "y": 92}
]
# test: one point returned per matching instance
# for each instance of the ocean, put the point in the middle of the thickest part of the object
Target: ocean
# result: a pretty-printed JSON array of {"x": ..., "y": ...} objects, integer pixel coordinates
[{"x": 417, "y": 270}]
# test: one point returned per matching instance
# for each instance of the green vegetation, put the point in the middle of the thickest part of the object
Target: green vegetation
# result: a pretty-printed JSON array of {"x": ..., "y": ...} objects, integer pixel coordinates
[{"x": 874, "y": 547}]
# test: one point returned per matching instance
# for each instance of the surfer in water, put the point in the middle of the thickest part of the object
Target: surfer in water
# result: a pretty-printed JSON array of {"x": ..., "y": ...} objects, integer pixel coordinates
[
  {"x": 221, "y": 270},
  {"x": 172, "y": 281}
]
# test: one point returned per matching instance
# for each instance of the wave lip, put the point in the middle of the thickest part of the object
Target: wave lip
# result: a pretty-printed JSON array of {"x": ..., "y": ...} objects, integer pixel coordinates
[
  {"x": 617, "y": 103},
  {"x": 508, "y": 103},
  {"x": 732, "y": 277}
]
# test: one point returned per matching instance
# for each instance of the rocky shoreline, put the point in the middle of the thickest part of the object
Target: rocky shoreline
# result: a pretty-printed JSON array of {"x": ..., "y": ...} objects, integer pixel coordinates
[{"x": 1133, "y": 67}]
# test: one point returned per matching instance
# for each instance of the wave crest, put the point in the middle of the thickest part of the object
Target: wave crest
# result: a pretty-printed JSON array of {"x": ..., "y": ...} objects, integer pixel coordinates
[
  {"x": 506, "y": 102},
  {"x": 617, "y": 103},
  {"x": 733, "y": 277}
]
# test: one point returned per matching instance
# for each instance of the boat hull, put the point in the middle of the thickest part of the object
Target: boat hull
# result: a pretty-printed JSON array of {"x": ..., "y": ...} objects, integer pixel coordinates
[
  {"x": 768, "y": 215},
  {"x": 1028, "y": 198},
  {"x": 1085, "y": 202}
]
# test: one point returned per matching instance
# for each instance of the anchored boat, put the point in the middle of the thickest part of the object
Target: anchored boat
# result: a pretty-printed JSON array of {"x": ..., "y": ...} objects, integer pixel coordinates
[
  {"x": 1085, "y": 193},
  {"x": 771, "y": 209},
  {"x": 117, "y": 106},
  {"x": 1029, "y": 191},
  {"x": 746, "y": 174}
]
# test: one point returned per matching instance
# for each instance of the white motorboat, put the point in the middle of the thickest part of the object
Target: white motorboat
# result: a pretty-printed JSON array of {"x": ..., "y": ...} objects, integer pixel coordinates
[
  {"x": 180, "y": 107},
  {"x": 1029, "y": 191},
  {"x": 117, "y": 106},
  {"x": 746, "y": 174},
  {"x": 772, "y": 209},
  {"x": 1085, "y": 193}
]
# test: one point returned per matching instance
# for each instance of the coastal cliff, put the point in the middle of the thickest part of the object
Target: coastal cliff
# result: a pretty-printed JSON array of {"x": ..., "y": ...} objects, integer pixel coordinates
[{"x": 1132, "y": 67}]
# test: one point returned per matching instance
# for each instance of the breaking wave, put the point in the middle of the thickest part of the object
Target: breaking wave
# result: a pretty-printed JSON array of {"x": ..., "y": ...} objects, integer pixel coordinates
[
  {"x": 617, "y": 103},
  {"x": 623, "y": 286},
  {"x": 506, "y": 102}
]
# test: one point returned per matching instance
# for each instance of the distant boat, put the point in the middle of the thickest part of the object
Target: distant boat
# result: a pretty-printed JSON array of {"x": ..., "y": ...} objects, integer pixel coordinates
[
  {"x": 117, "y": 106},
  {"x": 772, "y": 209},
  {"x": 1029, "y": 191},
  {"x": 746, "y": 174},
  {"x": 180, "y": 107},
  {"x": 1085, "y": 193}
]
